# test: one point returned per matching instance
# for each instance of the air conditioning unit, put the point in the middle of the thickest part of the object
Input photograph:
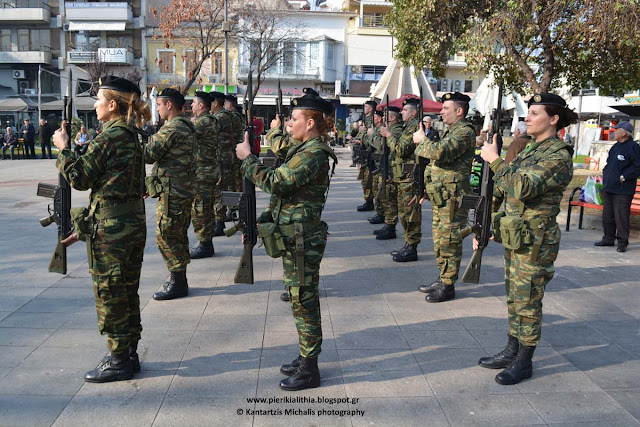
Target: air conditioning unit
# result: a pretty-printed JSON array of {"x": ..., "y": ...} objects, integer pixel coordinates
[
  {"x": 444, "y": 86},
  {"x": 458, "y": 85},
  {"x": 23, "y": 85},
  {"x": 18, "y": 74},
  {"x": 28, "y": 91}
]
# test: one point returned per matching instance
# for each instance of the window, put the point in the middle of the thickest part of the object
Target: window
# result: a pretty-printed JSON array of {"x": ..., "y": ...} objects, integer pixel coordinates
[
  {"x": 190, "y": 62},
  {"x": 272, "y": 56},
  {"x": 330, "y": 64},
  {"x": 40, "y": 40},
  {"x": 314, "y": 54},
  {"x": 468, "y": 85},
  {"x": 301, "y": 57},
  {"x": 123, "y": 41},
  {"x": 88, "y": 42},
  {"x": 217, "y": 64},
  {"x": 23, "y": 40},
  {"x": 166, "y": 61},
  {"x": 289, "y": 58},
  {"x": 5, "y": 40}
]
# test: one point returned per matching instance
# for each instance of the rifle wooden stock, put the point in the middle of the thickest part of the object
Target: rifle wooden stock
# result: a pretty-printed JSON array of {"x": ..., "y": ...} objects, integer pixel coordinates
[
  {"x": 244, "y": 272},
  {"x": 472, "y": 272}
]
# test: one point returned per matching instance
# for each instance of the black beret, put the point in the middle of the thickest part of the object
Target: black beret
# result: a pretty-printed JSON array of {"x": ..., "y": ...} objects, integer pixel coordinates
[
  {"x": 312, "y": 101},
  {"x": 204, "y": 96},
  {"x": 411, "y": 101},
  {"x": 379, "y": 113},
  {"x": 547, "y": 99},
  {"x": 217, "y": 96},
  {"x": 119, "y": 84},
  {"x": 394, "y": 109},
  {"x": 373, "y": 104},
  {"x": 172, "y": 93},
  {"x": 456, "y": 96},
  {"x": 310, "y": 91},
  {"x": 231, "y": 98}
]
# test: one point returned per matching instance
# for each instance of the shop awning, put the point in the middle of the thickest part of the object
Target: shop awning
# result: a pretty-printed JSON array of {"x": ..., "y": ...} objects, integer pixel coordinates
[
  {"x": 96, "y": 26},
  {"x": 13, "y": 104},
  {"x": 354, "y": 100},
  {"x": 81, "y": 103},
  {"x": 633, "y": 110}
]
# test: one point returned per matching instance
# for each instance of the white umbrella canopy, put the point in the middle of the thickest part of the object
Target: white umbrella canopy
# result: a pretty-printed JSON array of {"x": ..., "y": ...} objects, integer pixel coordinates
[
  {"x": 485, "y": 101},
  {"x": 398, "y": 80},
  {"x": 596, "y": 104}
]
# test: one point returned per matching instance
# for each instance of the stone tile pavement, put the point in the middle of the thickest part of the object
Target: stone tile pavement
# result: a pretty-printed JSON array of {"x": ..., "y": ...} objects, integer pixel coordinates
[{"x": 386, "y": 353}]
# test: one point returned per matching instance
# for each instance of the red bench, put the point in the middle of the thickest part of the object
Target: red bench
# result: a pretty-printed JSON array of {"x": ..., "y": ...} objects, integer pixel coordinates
[{"x": 635, "y": 205}]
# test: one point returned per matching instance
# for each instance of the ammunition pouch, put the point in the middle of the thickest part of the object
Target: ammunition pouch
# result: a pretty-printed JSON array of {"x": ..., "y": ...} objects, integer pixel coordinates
[
  {"x": 297, "y": 231},
  {"x": 437, "y": 194},
  {"x": 82, "y": 222},
  {"x": 272, "y": 239},
  {"x": 154, "y": 186},
  {"x": 495, "y": 224},
  {"x": 515, "y": 232}
]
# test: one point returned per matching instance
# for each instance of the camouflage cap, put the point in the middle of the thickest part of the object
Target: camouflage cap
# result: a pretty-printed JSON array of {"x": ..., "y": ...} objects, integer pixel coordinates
[
  {"x": 173, "y": 94},
  {"x": 119, "y": 84},
  {"x": 456, "y": 96},
  {"x": 547, "y": 99},
  {"x": 311, "y": 101}
]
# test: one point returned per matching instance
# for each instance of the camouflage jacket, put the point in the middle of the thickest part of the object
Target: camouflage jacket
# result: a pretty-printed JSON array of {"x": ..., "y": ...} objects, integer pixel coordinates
[
  {"x": 280, "y": 142},
  {"x": 452, "y": 155},
  {"x": 392, "y": 140},
  {"x": 362, "y": 136},
  {"x": 226, "y": 138},
  {"x": 237, "y": 127},
  {"x": 403, "y": 147},
  {"x": 171, "y": 150},
  {"x": 375, "y": 140},
  {"x": 112, "y": 167},
  {"x": 534, "y": 182},
  {"x": 301, "y": 182},
  {"x": 206, "y": 153}
]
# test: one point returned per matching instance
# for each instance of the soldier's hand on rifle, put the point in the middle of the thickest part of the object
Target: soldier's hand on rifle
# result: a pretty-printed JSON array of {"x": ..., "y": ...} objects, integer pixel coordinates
[
  {"x": 419, "y": 135},
  {"x": 476, "y": 244},
  {"x": 275, "y": 123},
  {"x": 60, "y": 137},
  {"x": 490, "y": 151},
  {"x": 369, "y": 131},
  {"x": 384, "y": 131},
  {"x": 71, "y": 239},
  {"x": 244, "y": 148}
]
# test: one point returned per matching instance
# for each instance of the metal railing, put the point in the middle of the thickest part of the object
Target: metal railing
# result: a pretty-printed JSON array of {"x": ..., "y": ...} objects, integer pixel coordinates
[
  {"x": 25, "y": 48},
  {"x": 372, "y": 21},
  {"x": 29, "y": 4}
]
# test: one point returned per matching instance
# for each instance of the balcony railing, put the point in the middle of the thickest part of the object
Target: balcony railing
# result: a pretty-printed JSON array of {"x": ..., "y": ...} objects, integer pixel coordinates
[
  {"x": 25, "y": 11},
  {"x": 99, "y": 11},
  {"x": 24, "y": 4},
  {"x": 372, "y": 21},
  {"x": 278, "y": 72},
  {"x": 25, "y": 48}
]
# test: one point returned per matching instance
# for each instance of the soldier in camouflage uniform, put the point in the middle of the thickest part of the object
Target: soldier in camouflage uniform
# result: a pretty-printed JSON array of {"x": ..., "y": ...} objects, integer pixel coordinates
[
  {"x": 227, "y": 140},
  {"x": 404, "y": 161},
  {"x": 301, "y": 185},
  {"x": 114, "y": 224},
  {"x": 363, "y": 137},
  {"x": 172, "y": 181},
  {"x": 532, "y": 186},
  {"x": 393, "y": 132},
  {"x": 375, "y": 142},
  {"x": 450, "y": 168},
  {"x": 238, "y": 128},
  {"x": 207, "y": 175}
]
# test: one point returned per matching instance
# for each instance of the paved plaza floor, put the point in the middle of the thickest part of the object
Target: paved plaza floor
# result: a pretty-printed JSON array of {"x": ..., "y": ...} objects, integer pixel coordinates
[{"x": 389, "y": 358}]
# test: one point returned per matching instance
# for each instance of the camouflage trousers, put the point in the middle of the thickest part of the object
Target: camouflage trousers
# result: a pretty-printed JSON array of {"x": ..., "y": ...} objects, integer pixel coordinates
[
  {"x": 225, "y": 183},
  {"x": 525, "y": 282},
  {"x": 390, "y": 204},
  {"x": 203, "y": 215},
  {"x": 411, "y": 221},
  {"x": 377, "y": 179},
  {"x": 173, "y": 215},
  {"x": 116, "y": 260},
  {"x": 447, "y": 243},
  {"x": 366, "y": 188},
  {"x": 304, "y": 298},
  {"x": 237, "y": 174}
]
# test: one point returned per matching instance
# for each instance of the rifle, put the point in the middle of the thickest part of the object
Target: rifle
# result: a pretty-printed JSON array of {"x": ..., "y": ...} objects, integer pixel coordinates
[
  {"x": 279, "y": 107},
  {"x": 418, "y": 170},
  {"x": 61, "y": 195},
  {"x": 482, "y": 203},
  {"x": 246, "y": 203},
  {"x": 384, "y": 160}
]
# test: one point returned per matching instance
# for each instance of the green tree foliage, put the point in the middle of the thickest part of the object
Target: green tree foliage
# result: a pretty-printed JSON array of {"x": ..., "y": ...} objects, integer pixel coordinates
[{"x": 533, "y": 45}]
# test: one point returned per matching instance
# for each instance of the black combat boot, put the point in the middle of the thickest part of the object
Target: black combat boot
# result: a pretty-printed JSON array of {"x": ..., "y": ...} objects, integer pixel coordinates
[
  {"x": 368, "y": 206},
  {"x": 401, "y": 250},
  {"x": 118, "y": 367},
  {"x": 504, "y": 358},
  {"x": 219, "y": 230},
  {"x": 441, "y": 294},
  {"x": 291, "y": 368},
  {"x": 306, "y": 376},
  {"x": 380, "y": 230},
  {"x": 175, "y": 287},
  {"x": 520, "y": 369},
  {"x": 426, "y": 289},
  {"x": 409, "y": 254},
  {"x": 133, "y": 355},
  {"x": 388, "y": 232},
  {"x": 203, "y": 250},
  {"x": 378, "y": 219},
  {"x": 285, "y": 297}
]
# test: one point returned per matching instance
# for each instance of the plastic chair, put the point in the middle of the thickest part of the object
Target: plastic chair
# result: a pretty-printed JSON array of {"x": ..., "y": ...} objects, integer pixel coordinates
[{"x": 587, "y": 163}]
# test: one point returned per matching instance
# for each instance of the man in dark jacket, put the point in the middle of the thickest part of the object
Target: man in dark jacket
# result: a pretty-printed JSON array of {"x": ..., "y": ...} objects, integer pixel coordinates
[
  {"x": 619, "y": 176},
  {"x": 44, "y": 133},
  {"x": 28, "y": 132}
]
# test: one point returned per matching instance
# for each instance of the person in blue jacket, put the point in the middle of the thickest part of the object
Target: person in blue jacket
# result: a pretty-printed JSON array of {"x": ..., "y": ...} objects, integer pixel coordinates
[{"x": 619, "y": 186}]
